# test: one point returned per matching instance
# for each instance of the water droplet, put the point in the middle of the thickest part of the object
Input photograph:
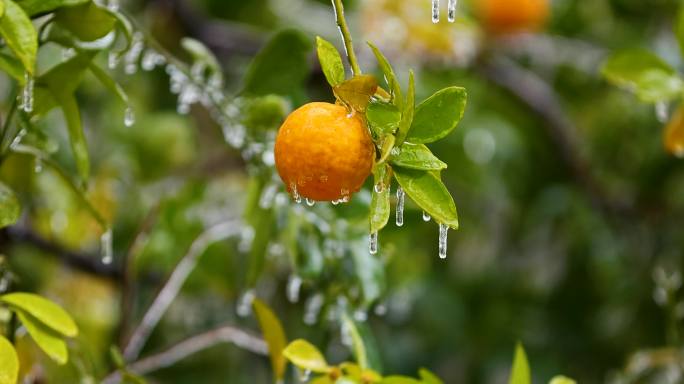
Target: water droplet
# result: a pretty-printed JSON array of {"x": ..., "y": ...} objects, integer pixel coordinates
[
  {"x": 380, "y": 309},
  {"x": 129, "y": 117},
  {"x": 451, "y": 12},
  {"x": 661, "y": 111},
  {"x": 345, "y": 195},
  {"x": 295, "y": 194},
  {"x": 294, "y": 285},
  {"x": 106, "y": 247},
  {"x": 27, "y": 93},
  {"x": 443, "y": 231},
  {"x": 133, "y": 54},
  {"x": 426, "y": 216},
  {"x": 335, "y": 202},
  {"x": 400, "y": 207},
  {"x": 312, "y": 309},
  {"x": 244, "y": 305},
  {"x": 435, "y": 11},
  {"x": 361, "y": 315},
  {"x": 149, "y": 60},
  {"x": 379, "y": 187},
  {"x": 246, "y": 238},
  {"x": 373, "y": 243},
  {"x": 38, "y": 167},
  {"x": 310, "y": 202},
  {"x": 305, "y": 376}
]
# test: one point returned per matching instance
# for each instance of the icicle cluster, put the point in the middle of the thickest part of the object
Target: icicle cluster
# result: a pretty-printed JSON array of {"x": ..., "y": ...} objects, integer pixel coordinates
[{"x": 451, "y": 11}]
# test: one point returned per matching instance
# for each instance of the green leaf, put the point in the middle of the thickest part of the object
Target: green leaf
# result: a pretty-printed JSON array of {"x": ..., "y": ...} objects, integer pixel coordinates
[
  {"x": 36, "y": 7},
  {"x": 19, "y": 34},
  {"x": 274, "y": 336},
  {"x": 10, "y": 209},
  {"x": 357, "y": 91},
  {"x": 562, "y": 380},
  {"x": 390, "y": 77},
  {"x": 331, "y": 61},
  {"x": 399, "y": 380},
  {"x": 2, "y": 8},
  {"x": 108, "y": 82},
  {"x": 12, "y": 67},
  {"x": 306, "y": 356},
  {"x": 437, "y": 115},
  {"x": 65, "y": 77},
  {"x": 76, "y": 136},
  {"x": 416, "y": 156},
  {"x": 380, "y": 201},
  {"x": 280, "y": 67},
  {"x": 44, "y": 310},
  {"x": 408, "y": 111},
  {"x": 383, "y": 118},
  {"x": 520, "y": 373},
  {"x": 47, "y": 339},
  {"x": 201, "y": 53},
  {"x": 429, "y": 377},
  {"x": 358, "y": 347},
  {"x": 428, "y": 191},
  {"x": 643, "y": 73},
  {"x": 9, "y": 362},
  {"x": 88, "y": 22}
]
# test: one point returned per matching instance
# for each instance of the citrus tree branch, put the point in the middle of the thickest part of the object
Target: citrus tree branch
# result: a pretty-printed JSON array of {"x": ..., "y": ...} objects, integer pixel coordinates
[{"x": 346, "y": 36}]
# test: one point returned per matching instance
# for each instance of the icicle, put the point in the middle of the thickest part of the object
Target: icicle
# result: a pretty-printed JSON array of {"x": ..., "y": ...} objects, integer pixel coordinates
[
  {"x": 129, "y": 117},
  {"x": 310, "y": 202},
  {"x": 661, "y": 111},
  {"x": 435, "y": 11},
  {"x": 312, "y": 309},
  {"x": 451, "y": 13},
  {"x": 27, "y": 93},
  {"x": 373, "y": 243},
  {"x": 133, "y": 54},
  {"x": 426, "y": 216},
  {"x": 112, "y": 60},
  {"x": 379, "y": 187},
  {"x": 400, "y": 207},
  {"x": 149, "y": 60},
  {"x": 295, "y": 195},
  {"x": 294, "y": 285},
  {"x": 38, "y": 167},
  {"x": 443, "y": 230},
  {"x": 106, "y": 247},
  {"x": 244, "y": 305}
]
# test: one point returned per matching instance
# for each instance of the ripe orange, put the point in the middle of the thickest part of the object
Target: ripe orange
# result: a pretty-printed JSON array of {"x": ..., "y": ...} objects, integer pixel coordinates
[
  {"x": 323, "y": 153},
  {"x": 508, "y": 16},
  {"x": 674, "y": 134}
]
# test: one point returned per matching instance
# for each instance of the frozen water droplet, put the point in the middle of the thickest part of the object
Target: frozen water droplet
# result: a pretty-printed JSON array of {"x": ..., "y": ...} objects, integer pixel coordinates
[
  {"x": 661, "y": 111},
  {"x": 345, "y": 195},
  {"x": 400, "y": 207},
  {"x": 310, "y": 202},
  {"x": 244, "y": 305},
  {"x": 379, "y": 187},
  {"x": 112, "y": 60},
  {"x": 129, "y": 117},
  {"x": 305, "y": 376},
  {"x": 149, "y": 60},
  {"x": 443, "y": 231},
  {"x": 335, "y": 202},
  {"x": 294, "y": 285},
  {"x": 106, "y": 247},
  {"x": 435, "y": 11},
  {"x": 312, "y": 309},
  {"x": 361, "y": 315},
  {"x": 426, "y": 216},
  {"x": 38, "y": 167},
  {"x": 27, "y": 93},
  {"x": 451, "y": 11},
  {"x": 373, "y": 243},
  {"x": 295, "y": 194},
  {"x": 133, "y": 54}
]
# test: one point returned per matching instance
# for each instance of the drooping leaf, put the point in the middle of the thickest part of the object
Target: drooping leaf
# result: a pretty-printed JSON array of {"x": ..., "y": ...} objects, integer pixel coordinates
[
  {"x": 12, "y": 67},
  {"x": 19, "y": 34},
  {"x": 47, "y": 339},
  {"x": 331, "y": 61},
  {"x": 10, "y": 209},
  {"x": 428, "y": 191},
  {"x": 520, "y": 372},
  {"x": 66, "y": 77},
  {"x": 87, "y": 21},
  {"x": 643, "y": 73},
  {"x": 274, "y": 336},
  {"x": 437, "y": 115},
  {"x": 380, "y": 198},
  {"x": 44, "y": 310},
  {"x": 37, "y": 7},
  {"x": 399, "y": 380},
  {"x": 383, "y": 118},
  {"x": 562, "y": 380},
  {"x": 429, "y": 377},
  {"x": 306, "y": 356},
  {"x": 416, "y": 156},
  {"x": 391, "y": 78},
  {"x": 9, "y": 362},
  {"x": 79, "y": 147},
  {"x": 108, "y": 82},
  {"x": 358, "y": 347},
  {"x": 408, "y": 111},
  {"x": 357, "y": 91}
]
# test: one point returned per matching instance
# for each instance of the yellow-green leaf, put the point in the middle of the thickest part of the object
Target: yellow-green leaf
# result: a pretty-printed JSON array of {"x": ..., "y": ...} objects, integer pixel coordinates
[
  {"x": 358, "y": 347},
  {"x": 306, "y": 356},
  {"x": 407, "y": 112},
  {"x": 429, "y": 377},
  {"x": 9, "y": 362},
  {"x": 357, "y": 91},
  {"x": 9, "y": 206},
  {"x": 47, "y": 339},
  {"x": 428, "y": 191},
  {"x": 44, "y": 310},
  {"x": 416, "y": 156},
  {"x": 79, "y": 147},
  {"x": 13, "y": 67},
  {"x": 399, "y": 380},
  {"x": 19, "y": 34},
  {"x": 2, "y": 8},
  {"x": 383, "y": 118},
  {"x": 390, "y": 77},
  {"x": 87, "y": 22},
  {"x": 36, "y": 7},
  {"x": 520, "y": 373},
  {"x": 562, "y": 380},
  {"x": 380, "y": 198},
  {"x": 274, "y": 336},
  {"x": 437, "y": 115},
  {"x": 331, "y": 61}
]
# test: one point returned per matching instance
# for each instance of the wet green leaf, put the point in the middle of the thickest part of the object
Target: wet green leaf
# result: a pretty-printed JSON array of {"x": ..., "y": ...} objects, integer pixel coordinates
[
  {"x": 331, "y": 61},
  {"x": 42, "y": 309},
  {"x": 66, "y": 77},
  {"x": 428, "y": 377},
  {"x": 357, "y": 91},
  {"x": 358, "y": 347},
  {"x": 399, "y": 380},
  {"x": 47, "y": 339},
  {"x": 36, "y": 7},
  {"x": 19, "y": 34},
  {"x": 562, "y": 380},
  {"x": 274, "y": 336},
  {"x": 10, "y": 209},
  {"x": 390, "y": 77},
  {"x": 9, "y": 362},
  {"x": 643, "y": 73},
  {"x": 428, "y": 191},
  {"x": 437, "y": 115},
  {"x": 12, "y": 67},
  {"x": 383, "y": 118},
  {"x": 87, "y": 21},
  {"x": 380, "y": 201},
  {"x": 408, "y": 111},
  {"x": 79, "y": 147},
  {"x": 416, "y": 156},
  {"x": 306, "y": 356},
  {"x": 520, "y": 373}
]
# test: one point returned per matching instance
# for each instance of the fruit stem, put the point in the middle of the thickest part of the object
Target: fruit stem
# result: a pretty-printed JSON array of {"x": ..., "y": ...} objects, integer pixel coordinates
[{"x": 346, "y": 36}]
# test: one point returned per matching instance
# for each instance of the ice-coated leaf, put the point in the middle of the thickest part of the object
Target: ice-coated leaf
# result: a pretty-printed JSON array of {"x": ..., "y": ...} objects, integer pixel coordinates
[
  {"x": 10, "y": 209},
  {"x": 306, "y": 356},
  {"x": 42, "y": 309},
  {"x": 357, "y": 91},
  {"x": 428, "y": 191},
  {"x": 19, "y": 34},
  {"x": 437, "y": 115},
  {"x": 428, "y": 377},
  {"x": 274, "y": 336},
  {"x": 47, "y": 339},
  {"x": 520, "y": 372},
  {"x": 416, "y": 156},
  {"x": 408, "y": 112},
  {"x": 36, "y": 7},
  {"x": 562, "y": 380},
  {"x": 9, "y": 362},
  {"x": 383, "y": 118},
  {"x": 87, "y": 21},
  {"x": 331, "y": 61},
  {"x": 380, "y": 198},
  {"x": 390, "y": 77}
]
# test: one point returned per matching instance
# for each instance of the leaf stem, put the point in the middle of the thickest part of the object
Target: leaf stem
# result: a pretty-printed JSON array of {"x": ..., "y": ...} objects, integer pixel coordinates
[{"x": 346, "y": 36}]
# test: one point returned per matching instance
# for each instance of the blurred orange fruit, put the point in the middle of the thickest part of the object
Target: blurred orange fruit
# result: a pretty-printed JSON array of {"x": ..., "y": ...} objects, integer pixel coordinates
[
  {"x": 674, "y": 134},
  {"x": 323, "y": 152},
  {"x": 509, "y": 16}
]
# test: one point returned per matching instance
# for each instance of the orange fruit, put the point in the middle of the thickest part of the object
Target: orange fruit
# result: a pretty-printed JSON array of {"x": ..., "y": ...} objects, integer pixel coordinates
[
  {"x": 323, "y": 152},
  {"x": 674, "y": 134},
  {"x": 508, "y": 16}
]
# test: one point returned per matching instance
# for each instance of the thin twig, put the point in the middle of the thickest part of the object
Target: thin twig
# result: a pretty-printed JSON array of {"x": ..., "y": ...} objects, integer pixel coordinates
[
  {"x": 174, "y": 284},
  {"x": 346, "y": 36},
  {"x": 192, "y": 345}
]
